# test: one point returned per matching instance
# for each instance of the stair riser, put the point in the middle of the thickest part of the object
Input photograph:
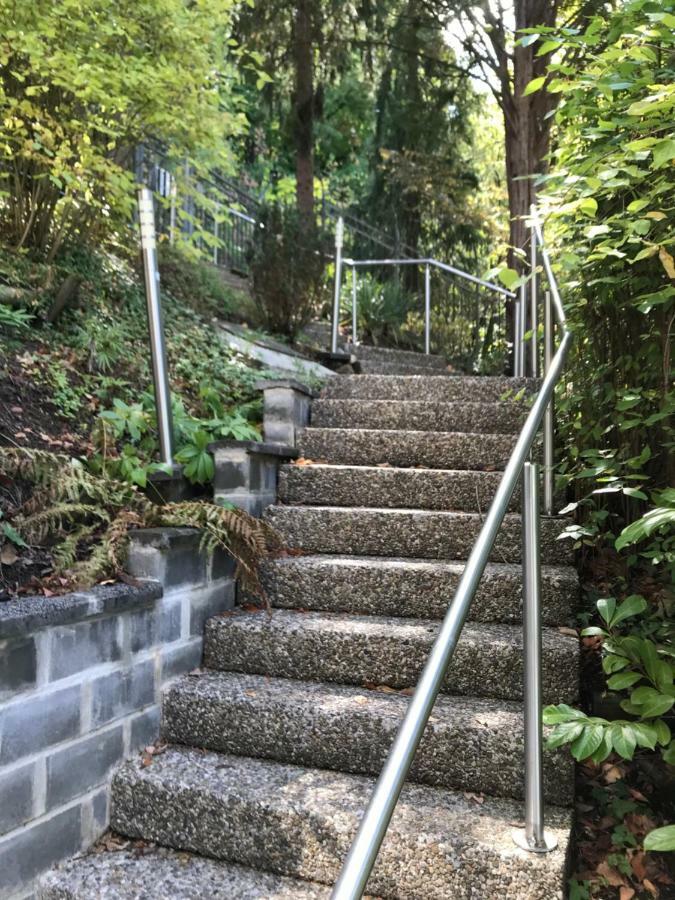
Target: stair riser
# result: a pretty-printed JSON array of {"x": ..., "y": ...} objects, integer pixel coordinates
[
  {"x": 423, "y": 387},
  {"x": 366, "y": 354},
  {"x": 425, "y": 535},
  {"x": 463, "y": 755},
  {"x": 394, "y": 659},
  {"x": 443, "y": 450},
  {"x": 423, "y": 591},
  {"x": 390, "y": 488},
  {"x": 394, "y": 369},
  {"x": 309, "y": 840},
  {"x": 492, "y": 418}
]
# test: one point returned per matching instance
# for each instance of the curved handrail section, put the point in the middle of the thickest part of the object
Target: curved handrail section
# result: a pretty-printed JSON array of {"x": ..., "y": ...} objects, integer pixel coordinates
[{"x": 364, "y": 850}]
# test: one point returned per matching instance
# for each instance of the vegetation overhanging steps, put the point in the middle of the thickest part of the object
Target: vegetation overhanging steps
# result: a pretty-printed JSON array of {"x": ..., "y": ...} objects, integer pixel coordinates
[{"x": 274, "y": 747}]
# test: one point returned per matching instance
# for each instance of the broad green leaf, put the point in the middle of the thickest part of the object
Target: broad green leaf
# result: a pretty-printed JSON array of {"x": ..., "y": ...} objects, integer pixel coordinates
[
  {"x": 623, "y": 739},
  {"x": 535, "y": 85},
  {"x": 631, "y": 606},
  {"x": 663, "y": 152},
  {"x": 588, "y": 742},
  {"x": 606, "y": 607},
  {"x": 661, "y": 840},
  {"x": 623, "y": 680}
]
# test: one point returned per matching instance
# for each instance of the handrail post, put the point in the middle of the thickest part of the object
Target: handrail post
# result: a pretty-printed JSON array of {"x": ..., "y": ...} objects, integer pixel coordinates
[
  {"x": 519, "y": 328},
  {"x": 533, "y": 837},
  {"x": 534, "y": 348},
  {"x": 548, "y": 424},
  {"x": 427, "y": 309},
  {"x": 146, "y": 216},
  {"x": 339, "y": 240},
  {"x": 354, "y": 309}
]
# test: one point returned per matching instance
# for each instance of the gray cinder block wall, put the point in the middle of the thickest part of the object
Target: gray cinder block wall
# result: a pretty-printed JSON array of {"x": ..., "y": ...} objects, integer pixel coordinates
[{"x": 80, "y": 678}]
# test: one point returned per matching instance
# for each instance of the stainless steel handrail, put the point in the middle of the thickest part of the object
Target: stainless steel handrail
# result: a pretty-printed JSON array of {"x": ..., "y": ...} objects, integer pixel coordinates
[{"x": 363, "y": 852}]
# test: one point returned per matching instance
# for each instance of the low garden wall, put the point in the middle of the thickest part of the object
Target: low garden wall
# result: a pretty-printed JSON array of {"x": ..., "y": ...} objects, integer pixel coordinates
[{"x": 80, "y": 678}]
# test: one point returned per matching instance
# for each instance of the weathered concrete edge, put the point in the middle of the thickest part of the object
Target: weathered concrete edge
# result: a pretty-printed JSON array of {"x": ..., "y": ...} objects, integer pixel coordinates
[{"x": 28, "y": 614}]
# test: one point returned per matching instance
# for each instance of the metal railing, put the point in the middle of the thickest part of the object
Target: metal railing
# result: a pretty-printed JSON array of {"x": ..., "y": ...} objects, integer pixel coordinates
[
  {"x": 476, "y": 306},
  {"x": 363, "y": 853}
]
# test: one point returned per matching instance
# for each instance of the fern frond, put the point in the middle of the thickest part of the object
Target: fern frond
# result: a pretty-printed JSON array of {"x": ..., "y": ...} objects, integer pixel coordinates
[{"x": 56, "y": 519}]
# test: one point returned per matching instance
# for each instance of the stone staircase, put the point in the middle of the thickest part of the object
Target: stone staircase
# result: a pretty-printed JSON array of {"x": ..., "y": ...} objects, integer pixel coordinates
[
  {"x": 274, "y": 746},
  {"x": 385, "y": 361}
]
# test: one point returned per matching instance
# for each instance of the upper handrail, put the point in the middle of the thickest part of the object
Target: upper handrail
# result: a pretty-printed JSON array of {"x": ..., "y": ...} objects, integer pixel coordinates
[
  {"x": 362, "y": 855},
  {"x": 429, "y": 261}
]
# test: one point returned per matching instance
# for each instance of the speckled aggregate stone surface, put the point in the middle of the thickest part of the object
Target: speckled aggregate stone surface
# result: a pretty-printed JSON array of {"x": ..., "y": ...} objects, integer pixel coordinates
[
  {"x": 397, "y": 488},
  {"x": 161, "y": 874},
  {"x": 350, "y": 649},
  {"x": 419, "y": 415},
  {"x": 392, "y": 356},
  {"x": 426, "y": 534},
  {"x": 430, "y": 388},
  {"x": 437, "y": 450},
  {"x": 416, "y": 588},
  {"x": 300, "y": 822},
  {"x": 469, "y": 744}
]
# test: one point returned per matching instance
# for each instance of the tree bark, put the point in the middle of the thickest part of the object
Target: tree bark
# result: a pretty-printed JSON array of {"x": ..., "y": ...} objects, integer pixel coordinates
[{"x": 303, "y": 119}]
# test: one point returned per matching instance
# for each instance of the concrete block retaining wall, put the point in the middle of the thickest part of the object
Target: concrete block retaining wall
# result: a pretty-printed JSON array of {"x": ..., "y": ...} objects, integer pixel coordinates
[{"x": 80, "y": 678}]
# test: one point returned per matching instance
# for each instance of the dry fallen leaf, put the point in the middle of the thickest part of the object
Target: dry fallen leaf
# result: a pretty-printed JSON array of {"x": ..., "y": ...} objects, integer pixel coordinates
[
  {"x": 625, "y": 892},
  {"x": 612, "y": 876},
  {"x": 301, "y": 461},
  {"x": 653, "y": 890},
  {"x": 572, "y": 632},
  {"x": 8, "y": 555}
]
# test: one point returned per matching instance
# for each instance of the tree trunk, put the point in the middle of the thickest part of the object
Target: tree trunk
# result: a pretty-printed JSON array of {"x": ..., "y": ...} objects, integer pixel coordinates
[{"x": 303, "y": 118}]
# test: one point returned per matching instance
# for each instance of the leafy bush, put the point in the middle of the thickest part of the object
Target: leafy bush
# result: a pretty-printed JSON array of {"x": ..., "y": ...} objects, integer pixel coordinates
[
  {"x": 86, "y": 519},
  {"x": 134, "y": 425},
  {"x": 288, "y": 262},
  {"x": 83, "y": 84},
  {"x": 382, "y": 311}
]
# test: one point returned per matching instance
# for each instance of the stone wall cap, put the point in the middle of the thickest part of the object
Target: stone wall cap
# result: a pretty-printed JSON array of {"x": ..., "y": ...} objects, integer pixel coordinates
[
  {"x": 28, "y": 614},
  {"x": 264, "y": 449},
  {"x": 292, "y": 383}
]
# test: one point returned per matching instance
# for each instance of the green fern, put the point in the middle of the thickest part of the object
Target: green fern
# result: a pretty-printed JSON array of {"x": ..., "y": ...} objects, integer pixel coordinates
[{"x": 86, "y": 519}]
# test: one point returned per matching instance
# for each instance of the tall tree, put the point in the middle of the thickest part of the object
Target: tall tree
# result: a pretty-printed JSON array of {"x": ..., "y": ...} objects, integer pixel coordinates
[{"x": 303, "y": 109}]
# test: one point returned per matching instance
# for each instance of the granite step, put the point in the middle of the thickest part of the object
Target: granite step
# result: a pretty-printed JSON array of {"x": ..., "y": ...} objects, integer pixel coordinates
[
  {"x": 419, "y": 415},
  {"x": 413, "y": 588},
  {"x": 395, "y": 369},
  {"x": 381, "y": 650},
  {"x": 425, "y": 534},
  {"x": 388, "y": 486},
  {"x": 300, "y": 822},
  {"x": 438, "y": 450},
  {"x": 469, "y": 744},
  {"x": 367, "y": 354},
  {"x": 430, "y": 388},
  {"x": 155, "y": 872}
]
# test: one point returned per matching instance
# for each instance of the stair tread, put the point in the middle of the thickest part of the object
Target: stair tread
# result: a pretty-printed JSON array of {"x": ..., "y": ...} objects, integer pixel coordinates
[
  {"x": 161, "y": 873},
  {"x": 391, "y": 486},
  {"x": 414, "y": 588},
  {"x": 300, "y": 821},
  {"x": 353, "y": 649},
  {"x": 470, "y": 743},
  {"x": 386, "y": 531},
  {"x": 501, "y": 417},
  {"x": 427, "y": 387}
]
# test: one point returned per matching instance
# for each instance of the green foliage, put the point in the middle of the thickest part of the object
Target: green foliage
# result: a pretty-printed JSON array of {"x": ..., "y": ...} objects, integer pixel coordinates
[
  {"x": 82, "y": 84},
  {"x": 611, "y": 190},
  {"x": 14, "y": 319},
  {"x": 195, "y": 282},
  {"x": 287, "y": 268},
  {"x": 639, "y": 663},
  {"x": 382, "y": 310},
  {"x": 88, "y": 517},
  {"x": 661, "y": 839}
]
